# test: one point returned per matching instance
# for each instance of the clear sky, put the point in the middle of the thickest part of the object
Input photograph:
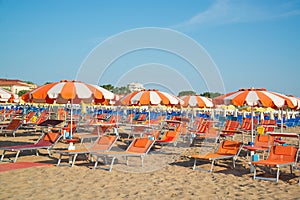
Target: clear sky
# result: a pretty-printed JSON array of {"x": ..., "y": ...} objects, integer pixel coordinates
[{"x": 252, "y": 43}]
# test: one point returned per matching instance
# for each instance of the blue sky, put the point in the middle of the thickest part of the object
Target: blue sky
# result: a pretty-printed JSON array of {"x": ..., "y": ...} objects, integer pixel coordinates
[{"x": 252, "y": 43}]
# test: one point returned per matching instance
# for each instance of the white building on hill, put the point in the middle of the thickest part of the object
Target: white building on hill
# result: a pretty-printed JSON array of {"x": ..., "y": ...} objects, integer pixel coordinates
[{"x": 134, "y": 86}]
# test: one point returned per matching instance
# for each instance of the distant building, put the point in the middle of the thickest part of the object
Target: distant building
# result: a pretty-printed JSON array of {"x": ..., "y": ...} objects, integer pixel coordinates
[
  {"x": 16, "y": 86},
  {"x": 134, "y": 86}
]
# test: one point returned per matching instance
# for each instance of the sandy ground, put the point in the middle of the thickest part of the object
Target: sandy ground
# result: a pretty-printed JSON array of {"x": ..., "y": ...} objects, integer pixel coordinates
[{"x": 167, "y": 174}]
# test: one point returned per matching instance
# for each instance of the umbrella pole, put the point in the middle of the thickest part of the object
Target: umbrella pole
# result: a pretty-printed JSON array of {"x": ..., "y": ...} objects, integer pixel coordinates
[
  {"x": 252, "y": 125},
  {"x": 281, "y": 127},
  {"x": 71, "y": 120}
]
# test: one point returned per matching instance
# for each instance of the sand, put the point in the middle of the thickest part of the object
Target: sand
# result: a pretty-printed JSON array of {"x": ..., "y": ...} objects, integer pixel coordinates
[{"x": 166, "y": 175}]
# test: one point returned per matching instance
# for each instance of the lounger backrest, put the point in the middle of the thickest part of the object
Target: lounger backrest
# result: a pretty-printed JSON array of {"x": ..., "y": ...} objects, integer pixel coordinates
[
  {"x": 49, "y": 139},
  {"x": 263, "y": 140},
  {"x": 245, "y": 123},
  {"x": 231, "y": 125},
  {"x": 140, "y": 145},
  {"x": 29, "y": 116},
  {"x": 171, "y": 136},
  {"x": 14, "y": 124},
  {"x": 43, "y": 116},
  {"x": 104, "y": 143},
  {"x": 74, "y": 126},
  {"x": 142, "y": 117},
  {"x": 283, "y": 153},
  {"x": 228, "y": 147}
]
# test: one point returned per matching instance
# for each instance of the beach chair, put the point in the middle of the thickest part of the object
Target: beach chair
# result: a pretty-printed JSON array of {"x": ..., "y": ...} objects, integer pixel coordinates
[
  {"x": 262, "y": 143},
  {"x": 29, "y": 117},
  {"x": 210, "y": 137},
  {"x": 230, "y": 129},
  {"x": 46, "y": 141},
  {"x": 170, "y": 137},
  {"x": 102, "y": 144},
  {"x": 280, "y": 156},
  {"x": 226, "y": 150},
  {"x": 139, "y": 147},
  {"x": 12, "y": 127}
]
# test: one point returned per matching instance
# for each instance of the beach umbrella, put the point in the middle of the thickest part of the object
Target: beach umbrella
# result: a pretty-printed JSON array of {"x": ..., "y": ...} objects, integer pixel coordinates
[
  {"x": 150, "y": 98},
  {"x": 197, "y": 101},
  {"x": 68, "y": 92},
  {"x": 256, "y": 97},
  {"x": 6, "y": 96},
  {"x": 65, "y": 91}
]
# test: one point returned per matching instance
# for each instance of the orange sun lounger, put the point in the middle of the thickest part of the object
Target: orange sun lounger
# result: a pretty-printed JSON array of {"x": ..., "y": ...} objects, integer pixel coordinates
[
  {"x": 46, "y": 141},
  {"x": 280, "y": 156},
  {"x": 139, "y": 147},
  {"x": 227, "y": 150},
  {"x": 102, "y": 144}
]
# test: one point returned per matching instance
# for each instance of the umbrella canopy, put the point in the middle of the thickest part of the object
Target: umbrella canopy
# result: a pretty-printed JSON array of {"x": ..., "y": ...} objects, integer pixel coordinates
[
  {"x": 257, "y": 97},
  {"x": 6, "y": 96},
  {"x": 150, "y": 97},
  {"x": 197, "y": 101},
  {"x": 68, "y": 91}
]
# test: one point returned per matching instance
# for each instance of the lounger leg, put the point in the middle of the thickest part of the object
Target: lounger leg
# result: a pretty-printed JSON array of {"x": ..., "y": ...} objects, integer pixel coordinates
[
  {"x": 126, "y": 157},
  {"x": 96, "y": 162},
  {"x": 59, "y": 160},
  {"x": 73, "y": 161},
  {"x": 112, "y": 163},
  {"x": 2, "y": 156},
  {"x": 233, "y": 162},
  {"x": 49, "y": 153},
  {"x": 15, "y": 160},
  {"x": 37, "y": 152},
  {"x": 142, "y": 159},
  {"x": 277, "y": 176},
  {"x": 212, "y": 165},
  {"x": 195, "y": 161},
  {"x": 254, "y": 171}
]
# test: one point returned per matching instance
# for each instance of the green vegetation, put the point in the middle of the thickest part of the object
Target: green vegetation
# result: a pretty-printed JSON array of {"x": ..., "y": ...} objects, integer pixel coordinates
[
  {"x": 21, "y": 92},
  {"x": 211, "y": 94},
  {"x": 205, "y": 94},
  {"x": 184, "y": 93},
  {"x": 116, "y": 90}
]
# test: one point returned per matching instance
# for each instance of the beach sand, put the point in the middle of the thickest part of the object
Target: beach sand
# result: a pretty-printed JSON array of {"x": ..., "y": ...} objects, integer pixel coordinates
[{"x": 166, "y": 175}]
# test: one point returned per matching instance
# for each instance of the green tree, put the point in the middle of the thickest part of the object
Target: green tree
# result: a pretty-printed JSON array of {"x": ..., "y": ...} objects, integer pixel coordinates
[
  {"x": 121, "y": 90},
  {"x": 184, "y": 93},
  {"x": 48, "y": 83},
  {"x": 21, "y": 92},
  {"x": 109, "y": 87},
  {"x": 211, "y": 94}
]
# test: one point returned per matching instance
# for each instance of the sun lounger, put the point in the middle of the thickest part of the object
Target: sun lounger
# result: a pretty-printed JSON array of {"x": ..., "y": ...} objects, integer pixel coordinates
[
  {"x": 230, "y": 129},
  {"x": 262, "y": 143},
  {"x": 102, "y": 144},
  {"x": 46, "y": 141},
  {"x": 169, "y": 138},
  {"x": 226, "y": 150},
  {"x": 12, "y": 127},
  {"x": 139, "y": 147},
  {"x": 280, "y": 156}
]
